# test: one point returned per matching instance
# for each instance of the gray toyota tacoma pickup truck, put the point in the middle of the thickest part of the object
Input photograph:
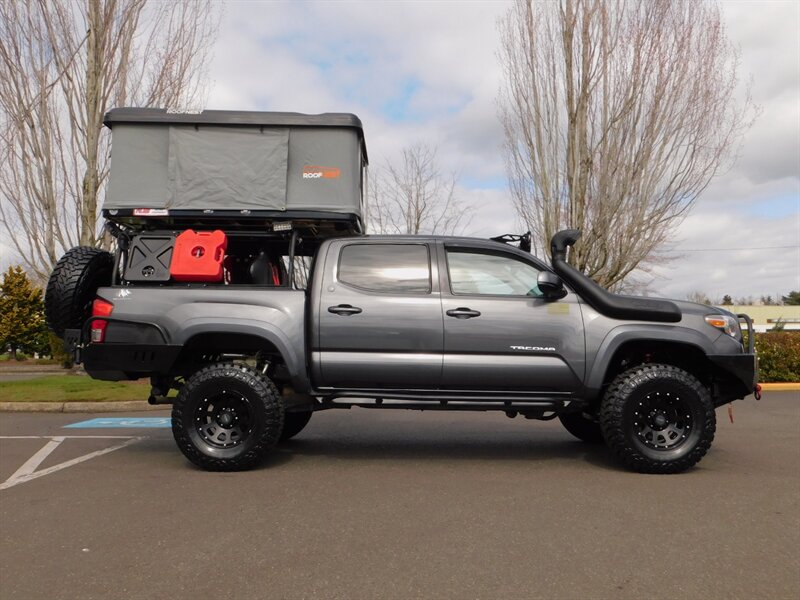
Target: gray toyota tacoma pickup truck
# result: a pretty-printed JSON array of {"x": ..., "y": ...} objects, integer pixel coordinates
[{"x": 243, "y": 280}]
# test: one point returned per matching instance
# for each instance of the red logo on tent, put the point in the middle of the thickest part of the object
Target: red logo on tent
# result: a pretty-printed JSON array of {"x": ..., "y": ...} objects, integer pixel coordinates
[{"x": 313, "y": 172}]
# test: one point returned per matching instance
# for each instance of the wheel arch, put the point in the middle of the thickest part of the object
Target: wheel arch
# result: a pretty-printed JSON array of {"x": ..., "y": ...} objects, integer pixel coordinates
[
  {"x": 627, "y": 346},
  {"x": 245, "y": 337}
]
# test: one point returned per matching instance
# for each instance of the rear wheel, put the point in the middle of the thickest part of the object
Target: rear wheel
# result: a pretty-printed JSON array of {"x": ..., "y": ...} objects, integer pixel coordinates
[
  {"x": 227, "y": 417},
  {"x": 658, "y": 419},
  {"x": 294, "y": 423},
  {"x": 73, "y": 285},
  {"x": 582, "y": 426}
]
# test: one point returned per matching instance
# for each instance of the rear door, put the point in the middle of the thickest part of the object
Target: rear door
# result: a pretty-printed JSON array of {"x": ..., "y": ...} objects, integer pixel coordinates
[
  {"x": 500, "y": 334},
  {"x": 380, "y": 317}
]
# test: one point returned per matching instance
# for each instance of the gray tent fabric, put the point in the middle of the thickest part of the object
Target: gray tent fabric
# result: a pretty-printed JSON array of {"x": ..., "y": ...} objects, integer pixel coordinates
[
  {"x": 139, "y": 157},
  {"x": 260, "y": 161},
  {"x": 329, "y": 153},
  {"x": 218, "y": 168}
]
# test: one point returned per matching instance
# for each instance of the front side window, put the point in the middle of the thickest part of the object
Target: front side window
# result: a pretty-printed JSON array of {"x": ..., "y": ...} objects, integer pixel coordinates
[
  {"x": 395, "y": 268},
  {"x": 478, "y": 273}
]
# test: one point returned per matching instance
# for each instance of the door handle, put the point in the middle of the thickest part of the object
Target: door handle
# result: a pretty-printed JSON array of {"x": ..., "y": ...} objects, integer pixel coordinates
[
  {"x": 344, "y": 309},
  {"x": 463, "y": 313}
]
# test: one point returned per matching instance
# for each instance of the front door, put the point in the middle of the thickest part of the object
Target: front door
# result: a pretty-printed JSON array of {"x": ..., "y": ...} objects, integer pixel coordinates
[
  {"x": 380, "y": 317},
  {"x": 500, "y": 333}
]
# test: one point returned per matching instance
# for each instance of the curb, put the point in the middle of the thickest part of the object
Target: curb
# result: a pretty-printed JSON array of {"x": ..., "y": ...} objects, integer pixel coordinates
[
  {"x": 780, "y": 387},
  {"x": 80, "y": 407}
]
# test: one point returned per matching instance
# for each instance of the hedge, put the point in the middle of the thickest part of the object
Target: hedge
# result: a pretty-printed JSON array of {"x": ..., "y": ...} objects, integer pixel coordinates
[{"x": 778, "y": 356}]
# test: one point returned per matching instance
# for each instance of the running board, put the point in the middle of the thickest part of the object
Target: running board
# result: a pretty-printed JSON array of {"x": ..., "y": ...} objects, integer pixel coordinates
[{"x": 508, "y": 406}]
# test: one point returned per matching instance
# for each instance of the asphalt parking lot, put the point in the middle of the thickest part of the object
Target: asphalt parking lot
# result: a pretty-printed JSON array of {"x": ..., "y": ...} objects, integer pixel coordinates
[{"x": 396, "y": 504}]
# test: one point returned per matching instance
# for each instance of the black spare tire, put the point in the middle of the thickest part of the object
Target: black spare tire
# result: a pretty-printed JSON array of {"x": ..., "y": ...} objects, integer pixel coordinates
[{"x": 73, "y": 285}]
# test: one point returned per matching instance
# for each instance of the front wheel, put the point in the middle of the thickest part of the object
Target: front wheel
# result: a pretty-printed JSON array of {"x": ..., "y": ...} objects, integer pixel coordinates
[
  {"x": 658, "y": 419},
  {"x": 227, "y": 417}
]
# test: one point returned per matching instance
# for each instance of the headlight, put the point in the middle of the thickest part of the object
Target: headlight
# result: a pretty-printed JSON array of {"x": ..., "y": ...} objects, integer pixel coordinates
[{"x": 725, "y": 323}]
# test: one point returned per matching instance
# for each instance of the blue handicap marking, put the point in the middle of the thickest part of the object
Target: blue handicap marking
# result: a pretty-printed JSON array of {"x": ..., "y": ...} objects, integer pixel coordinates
[{"x": 122, "y": 422}]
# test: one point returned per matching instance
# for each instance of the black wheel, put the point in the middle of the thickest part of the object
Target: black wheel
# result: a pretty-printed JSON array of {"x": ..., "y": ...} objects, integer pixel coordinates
[
  {"x": 294, "y": 423},
  {"x": 582, "y": 426},
  {"x": 658, "y": 419},
  {"x": 72, "y": 287},
  {"x": 227, "y": 417}
]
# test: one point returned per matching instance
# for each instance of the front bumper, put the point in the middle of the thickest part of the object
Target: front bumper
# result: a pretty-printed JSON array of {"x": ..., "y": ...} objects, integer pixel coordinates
[
  {"x": 740, "y": 372},
  {"x": 737, "y": 374}
]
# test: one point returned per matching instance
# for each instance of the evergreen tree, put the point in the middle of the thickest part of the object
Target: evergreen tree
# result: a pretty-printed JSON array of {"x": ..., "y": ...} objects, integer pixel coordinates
[
  {"x": 22, "y": 324},
  {"x": 793, "y": 299},
  {"x": 727, "y": 300}
]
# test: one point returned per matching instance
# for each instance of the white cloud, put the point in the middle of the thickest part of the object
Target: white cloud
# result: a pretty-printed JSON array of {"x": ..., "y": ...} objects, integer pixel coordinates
[
  {"x": 428, "y": 71},
  {"x": 723, "y": 252}
]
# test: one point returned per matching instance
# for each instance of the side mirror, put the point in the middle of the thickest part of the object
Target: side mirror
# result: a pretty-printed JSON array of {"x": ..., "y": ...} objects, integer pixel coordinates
[{"x": 550, "y": 285}]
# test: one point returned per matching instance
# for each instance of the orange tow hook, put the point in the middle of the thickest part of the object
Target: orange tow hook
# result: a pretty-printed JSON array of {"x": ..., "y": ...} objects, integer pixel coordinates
[{"x": 757, "y": 391}]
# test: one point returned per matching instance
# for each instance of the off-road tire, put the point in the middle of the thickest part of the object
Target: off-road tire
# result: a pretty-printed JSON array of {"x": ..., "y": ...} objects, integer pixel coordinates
[
  {"x": 652, "y": 396},
  {"x": 73, "y": 285},
  {"x": 194, "y": 420},
  {"x": 294, "y": 423},
  {"x": 582, "y": 427}
]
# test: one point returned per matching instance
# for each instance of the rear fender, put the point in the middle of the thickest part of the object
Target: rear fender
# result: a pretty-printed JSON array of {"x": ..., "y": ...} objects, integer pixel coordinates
[{"x": 291, "y": 350}]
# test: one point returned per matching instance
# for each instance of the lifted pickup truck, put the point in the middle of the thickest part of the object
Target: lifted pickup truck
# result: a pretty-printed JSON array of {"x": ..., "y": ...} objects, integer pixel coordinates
[{"x": 272, "y": 323}]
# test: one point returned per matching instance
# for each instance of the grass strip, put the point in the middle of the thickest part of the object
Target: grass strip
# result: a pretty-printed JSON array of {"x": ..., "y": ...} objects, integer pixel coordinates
[{"x": 72, "y": 388}]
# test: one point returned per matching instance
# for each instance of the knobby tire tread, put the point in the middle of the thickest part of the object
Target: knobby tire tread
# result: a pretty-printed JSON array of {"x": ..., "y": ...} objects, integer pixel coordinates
[
  {"x": 72, "y": 287},
  {"x": 273, "y": 416},
  {"x": 612, "y": 418}
]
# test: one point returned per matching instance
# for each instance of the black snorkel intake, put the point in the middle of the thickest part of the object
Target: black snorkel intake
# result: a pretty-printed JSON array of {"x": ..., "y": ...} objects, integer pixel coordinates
[{"x": 603, "y": 301}]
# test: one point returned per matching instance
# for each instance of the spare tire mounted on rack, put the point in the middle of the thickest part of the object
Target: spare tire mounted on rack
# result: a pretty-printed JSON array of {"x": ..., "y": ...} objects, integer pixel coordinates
[{"x": 73, "y": 285}]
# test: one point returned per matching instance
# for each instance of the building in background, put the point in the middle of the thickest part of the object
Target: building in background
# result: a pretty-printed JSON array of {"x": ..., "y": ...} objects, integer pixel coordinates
[{"x": 768, "y": 317}]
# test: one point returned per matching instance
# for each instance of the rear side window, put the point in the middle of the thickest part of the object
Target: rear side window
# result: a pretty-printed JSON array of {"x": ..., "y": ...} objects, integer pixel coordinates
[{"x": 394, "y": 268}]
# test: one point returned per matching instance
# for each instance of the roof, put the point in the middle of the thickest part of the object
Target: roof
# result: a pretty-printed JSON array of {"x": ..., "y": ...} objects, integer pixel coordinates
[{"x": 454, "y": 241}]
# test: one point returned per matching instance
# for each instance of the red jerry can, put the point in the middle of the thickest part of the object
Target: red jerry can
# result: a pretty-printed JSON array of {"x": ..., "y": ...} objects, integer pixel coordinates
[{"x": 198, "y": 256}]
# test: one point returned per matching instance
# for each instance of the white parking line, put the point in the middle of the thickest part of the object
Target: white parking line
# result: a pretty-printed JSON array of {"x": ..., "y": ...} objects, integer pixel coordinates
[
  {"x": 28, "y": 472},
  {"x": 37, "y": 459}
]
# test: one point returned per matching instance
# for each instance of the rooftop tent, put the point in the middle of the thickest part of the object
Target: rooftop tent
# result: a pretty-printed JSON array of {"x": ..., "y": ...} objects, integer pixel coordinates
[{"x": 235, "y": 161}]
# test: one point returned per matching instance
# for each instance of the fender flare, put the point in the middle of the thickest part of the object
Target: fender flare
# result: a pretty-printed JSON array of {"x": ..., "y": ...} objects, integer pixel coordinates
[
  {"x": 295, "y": 363},
  {"x": 618, "y": 336}
]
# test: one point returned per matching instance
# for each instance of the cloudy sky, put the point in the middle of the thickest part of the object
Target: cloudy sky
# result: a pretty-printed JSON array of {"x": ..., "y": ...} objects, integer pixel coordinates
[{"x": 428, "y": 71}]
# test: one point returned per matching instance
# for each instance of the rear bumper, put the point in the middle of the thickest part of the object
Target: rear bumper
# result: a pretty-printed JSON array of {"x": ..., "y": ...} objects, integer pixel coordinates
[
  {"x": 115, "y": 362},
  {"x": 132, "y": 350}
]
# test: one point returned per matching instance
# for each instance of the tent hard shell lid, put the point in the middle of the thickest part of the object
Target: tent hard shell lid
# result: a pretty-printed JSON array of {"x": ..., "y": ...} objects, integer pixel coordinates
[{"x": 245, "y": 163}]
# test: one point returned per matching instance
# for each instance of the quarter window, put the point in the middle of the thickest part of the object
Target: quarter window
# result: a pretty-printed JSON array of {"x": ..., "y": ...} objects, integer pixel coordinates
[
  {"x": 397, "y": 268},
  {"x": 478, "y": 273}
]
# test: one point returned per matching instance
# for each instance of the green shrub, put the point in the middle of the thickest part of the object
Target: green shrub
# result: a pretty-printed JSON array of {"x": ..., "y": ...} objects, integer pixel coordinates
[
  {"x": 778, "y": 356},
  {"x": 57, "y": 352}
]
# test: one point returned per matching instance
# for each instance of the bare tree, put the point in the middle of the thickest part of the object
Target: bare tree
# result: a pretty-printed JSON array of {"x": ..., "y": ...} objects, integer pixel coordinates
[
  {"x": 616, "y": 116},
  {"x": 699, "y": 297},
  {"x": 62, "y": 66},
  {"x": 415, "y": 197}
]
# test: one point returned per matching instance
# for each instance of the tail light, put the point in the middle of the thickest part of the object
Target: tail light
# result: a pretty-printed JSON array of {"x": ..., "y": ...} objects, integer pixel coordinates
[{"x": 100, "y": 308}]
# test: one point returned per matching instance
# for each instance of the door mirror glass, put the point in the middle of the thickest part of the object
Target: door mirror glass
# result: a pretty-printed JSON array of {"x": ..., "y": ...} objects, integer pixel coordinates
[{"x": 551, "y": 285}]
